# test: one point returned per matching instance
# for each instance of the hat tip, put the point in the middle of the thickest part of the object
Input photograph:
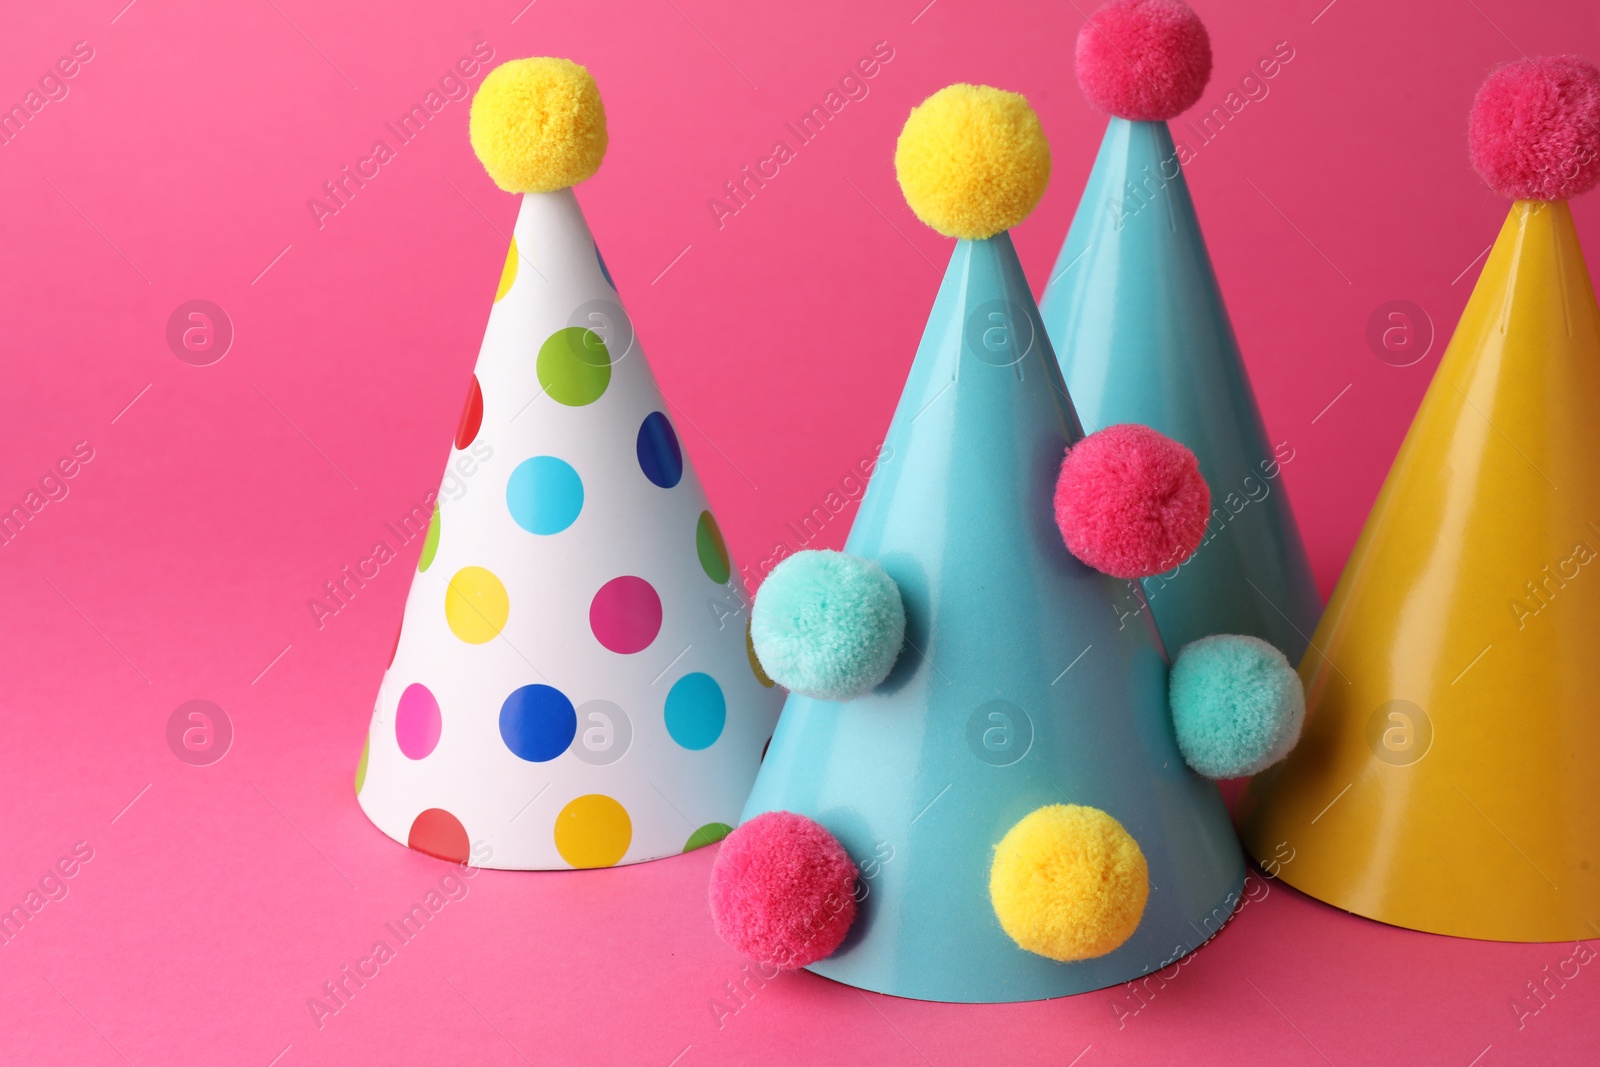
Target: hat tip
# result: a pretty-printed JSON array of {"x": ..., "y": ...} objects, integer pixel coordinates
[
  {"x": 538, "y": 125},
  {"x": 1534, "y": 132},
  {"x": 1146, "y": 60},
  {"x": 972, "y": 161}
]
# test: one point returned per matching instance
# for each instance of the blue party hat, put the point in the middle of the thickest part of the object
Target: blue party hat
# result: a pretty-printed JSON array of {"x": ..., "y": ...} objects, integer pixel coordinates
[
  {"x": 1019, "y": 688},
  {"x": 1138, "y": 322}
]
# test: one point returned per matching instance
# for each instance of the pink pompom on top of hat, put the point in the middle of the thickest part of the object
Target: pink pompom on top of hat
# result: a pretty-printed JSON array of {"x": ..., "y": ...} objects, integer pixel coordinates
[
  {"x": 1147, "y": 60},
  {"x": 1535, "y": 128},
  {"x": 1131, "y": 502},
  {"x": 783, "y": 890}
]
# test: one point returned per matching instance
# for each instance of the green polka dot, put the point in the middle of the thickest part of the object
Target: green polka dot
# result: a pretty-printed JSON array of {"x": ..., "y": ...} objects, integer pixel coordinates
[
  {"x": 709, "y": 834},
  {"x": 361, "y": 767},
  {"x": 574, "y": 366},
  {"x": 713, "y": 552},
  {"x": 430, "y": 544}
]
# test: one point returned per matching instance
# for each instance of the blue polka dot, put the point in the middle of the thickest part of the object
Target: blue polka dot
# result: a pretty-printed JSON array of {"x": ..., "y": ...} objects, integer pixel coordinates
[
  {"x": 603, "y": 271},
  {"x": 696, "y": 711},
  {"x": 544, "y": 495},
  {"x": 538, "y": 722},
  {"x": 659, "y": 455}
]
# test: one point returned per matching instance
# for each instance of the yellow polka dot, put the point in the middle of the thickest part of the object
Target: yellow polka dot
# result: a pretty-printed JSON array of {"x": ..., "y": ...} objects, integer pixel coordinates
[
  {"x": 1069, "y": 883},
  {"x": 361, "y": 767},
  {"x": 476, "y": 605},
  {"x": 593, "y": 831},
  {"x": 508, "y": 273}
]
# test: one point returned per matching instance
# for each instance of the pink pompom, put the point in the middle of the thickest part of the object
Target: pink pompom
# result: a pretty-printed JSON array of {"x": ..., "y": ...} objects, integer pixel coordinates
[
  {"x": 1535, "y": 128},
  {"x": 1131, "y": 502},
  {"x": 783, "y": 890},
  {"x": 1143, "y": 59}
]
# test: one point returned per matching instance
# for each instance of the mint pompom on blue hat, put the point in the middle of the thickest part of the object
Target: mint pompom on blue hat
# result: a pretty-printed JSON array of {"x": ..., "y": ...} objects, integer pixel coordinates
[{"x": 828, "y": 625}]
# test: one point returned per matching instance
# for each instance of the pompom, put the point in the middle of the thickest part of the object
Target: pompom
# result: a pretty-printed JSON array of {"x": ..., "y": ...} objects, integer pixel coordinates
[
  {"x": 1147, "y": 60},
  {"x": 972, "y": 161},
  {"x": 1535, "y": 128},
  {"x": 828, "y": 625},
  {"x": 783, "y": 890},
  {"x": 1069, "y": 883},
  {"x": 538, "y": 125},
  {"x": 1237, "y": 705},
  {"x": 1131, "y": 502}
]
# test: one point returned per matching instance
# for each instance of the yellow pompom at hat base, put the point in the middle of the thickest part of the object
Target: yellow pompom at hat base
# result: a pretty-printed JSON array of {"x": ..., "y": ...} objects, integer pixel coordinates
[
  {"x": 538, "y": 125},
  {"x": 972, "y": 161},
  {"x": 1069, "y": 883}
]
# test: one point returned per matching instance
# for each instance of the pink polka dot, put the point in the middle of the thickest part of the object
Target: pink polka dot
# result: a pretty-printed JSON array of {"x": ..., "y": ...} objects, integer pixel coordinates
[
  {"x": 416, "y": 721},
  {"x": 625, "y": 615}
]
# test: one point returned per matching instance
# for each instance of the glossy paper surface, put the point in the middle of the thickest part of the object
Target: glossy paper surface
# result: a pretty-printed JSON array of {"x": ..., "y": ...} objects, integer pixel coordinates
[
  {"x": 1020, "y": 685},
  {"x": 1449, "y": 777},
  {"x": 1137, "y": 320}
]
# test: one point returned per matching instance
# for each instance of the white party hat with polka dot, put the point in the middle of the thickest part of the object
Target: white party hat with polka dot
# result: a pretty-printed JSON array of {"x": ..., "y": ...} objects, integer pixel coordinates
[{"x": 572, "y": 685}]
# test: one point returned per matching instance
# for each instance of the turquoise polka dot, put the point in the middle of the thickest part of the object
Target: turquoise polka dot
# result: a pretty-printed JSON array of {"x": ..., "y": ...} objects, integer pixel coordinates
[
  {"x": 544, "y": 495},
  {"x": 696, "y": 711}
]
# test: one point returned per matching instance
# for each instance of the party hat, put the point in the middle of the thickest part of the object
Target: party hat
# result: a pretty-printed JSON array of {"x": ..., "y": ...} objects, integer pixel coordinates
[
  {"x": 572, "y": 685},
  {"x": 1449, "y": 780},
  {"x": 975, "y": 792},
  {"x": 1138, "y": 322}
]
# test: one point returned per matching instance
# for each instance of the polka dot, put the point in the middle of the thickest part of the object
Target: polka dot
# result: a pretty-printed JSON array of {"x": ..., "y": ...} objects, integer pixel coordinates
[
  {"x": 709, "y": 834},
  {"x": 544, "y": 495},
  {"x": 593, "y": 831},
  {"x": 755, "y": 663},
  {"x": 659, "y": 455},
  {"x": 713, "y": 551},
  {"x": 476, "y": 605},
  {"x": 696, "y": 711},
  {"x": 574, "y": 366},
  {"x": 537, "y": 722},
  {"x": 625, "y": 615},
  {"x": 508, "y": 273},
  {"x": 430, "y": 544},
  {"x": 471, "y": 416},
  {"x": 440, "y": 834},
  {"x": 361, "y": 766},
  {"x": 604, "y": 273},
  {"x": 417, "y": 723}
]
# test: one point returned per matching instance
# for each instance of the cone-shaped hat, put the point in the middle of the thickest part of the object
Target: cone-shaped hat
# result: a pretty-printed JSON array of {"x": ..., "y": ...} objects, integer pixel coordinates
[
  {"x": 1449, "y": 779},
  {"x": 571, "y": 686},
  {"x": 1019, "y": 687},
  {"x": 1138, "y": 323}
]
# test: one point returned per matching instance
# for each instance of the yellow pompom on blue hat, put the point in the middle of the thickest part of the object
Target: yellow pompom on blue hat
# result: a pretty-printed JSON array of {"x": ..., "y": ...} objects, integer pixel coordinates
[
  {"x": 538, "y": 125},
  {"x": 972, "y": 160}
]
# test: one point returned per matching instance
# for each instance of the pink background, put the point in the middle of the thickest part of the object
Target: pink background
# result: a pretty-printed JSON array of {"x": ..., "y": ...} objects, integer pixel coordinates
[{"x": 179, "y": 565}]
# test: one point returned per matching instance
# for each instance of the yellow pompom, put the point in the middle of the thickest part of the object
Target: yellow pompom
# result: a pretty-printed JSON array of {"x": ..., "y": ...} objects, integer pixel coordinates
[
  {"x": 538, "y": 125},
  {"x": 1069, "y": 883},
  {"x": 972, "y": 161}
]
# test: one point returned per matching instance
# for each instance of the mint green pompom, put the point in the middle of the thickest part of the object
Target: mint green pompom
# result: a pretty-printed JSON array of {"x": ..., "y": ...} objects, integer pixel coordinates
[
  {"x": 1237, "y": 705},
  {"x": 828, "y": 625}
]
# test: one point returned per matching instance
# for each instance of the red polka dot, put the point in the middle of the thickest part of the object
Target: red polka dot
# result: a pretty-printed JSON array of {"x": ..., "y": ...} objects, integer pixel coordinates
[
  {"x": 471, "y": 416},
  {"x": 625, "y": 615},
  {"x": 440, "y": 834}
]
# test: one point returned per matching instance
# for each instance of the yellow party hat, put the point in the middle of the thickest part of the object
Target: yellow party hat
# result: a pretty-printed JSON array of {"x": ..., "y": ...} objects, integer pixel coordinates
[{"x": 1449, "y": 776}]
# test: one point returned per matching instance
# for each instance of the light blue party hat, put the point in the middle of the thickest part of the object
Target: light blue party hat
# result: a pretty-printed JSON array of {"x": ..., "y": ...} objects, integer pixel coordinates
[
  {"x": 1138, "y": 322},
  {"x": 1020, "y": 685}
]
